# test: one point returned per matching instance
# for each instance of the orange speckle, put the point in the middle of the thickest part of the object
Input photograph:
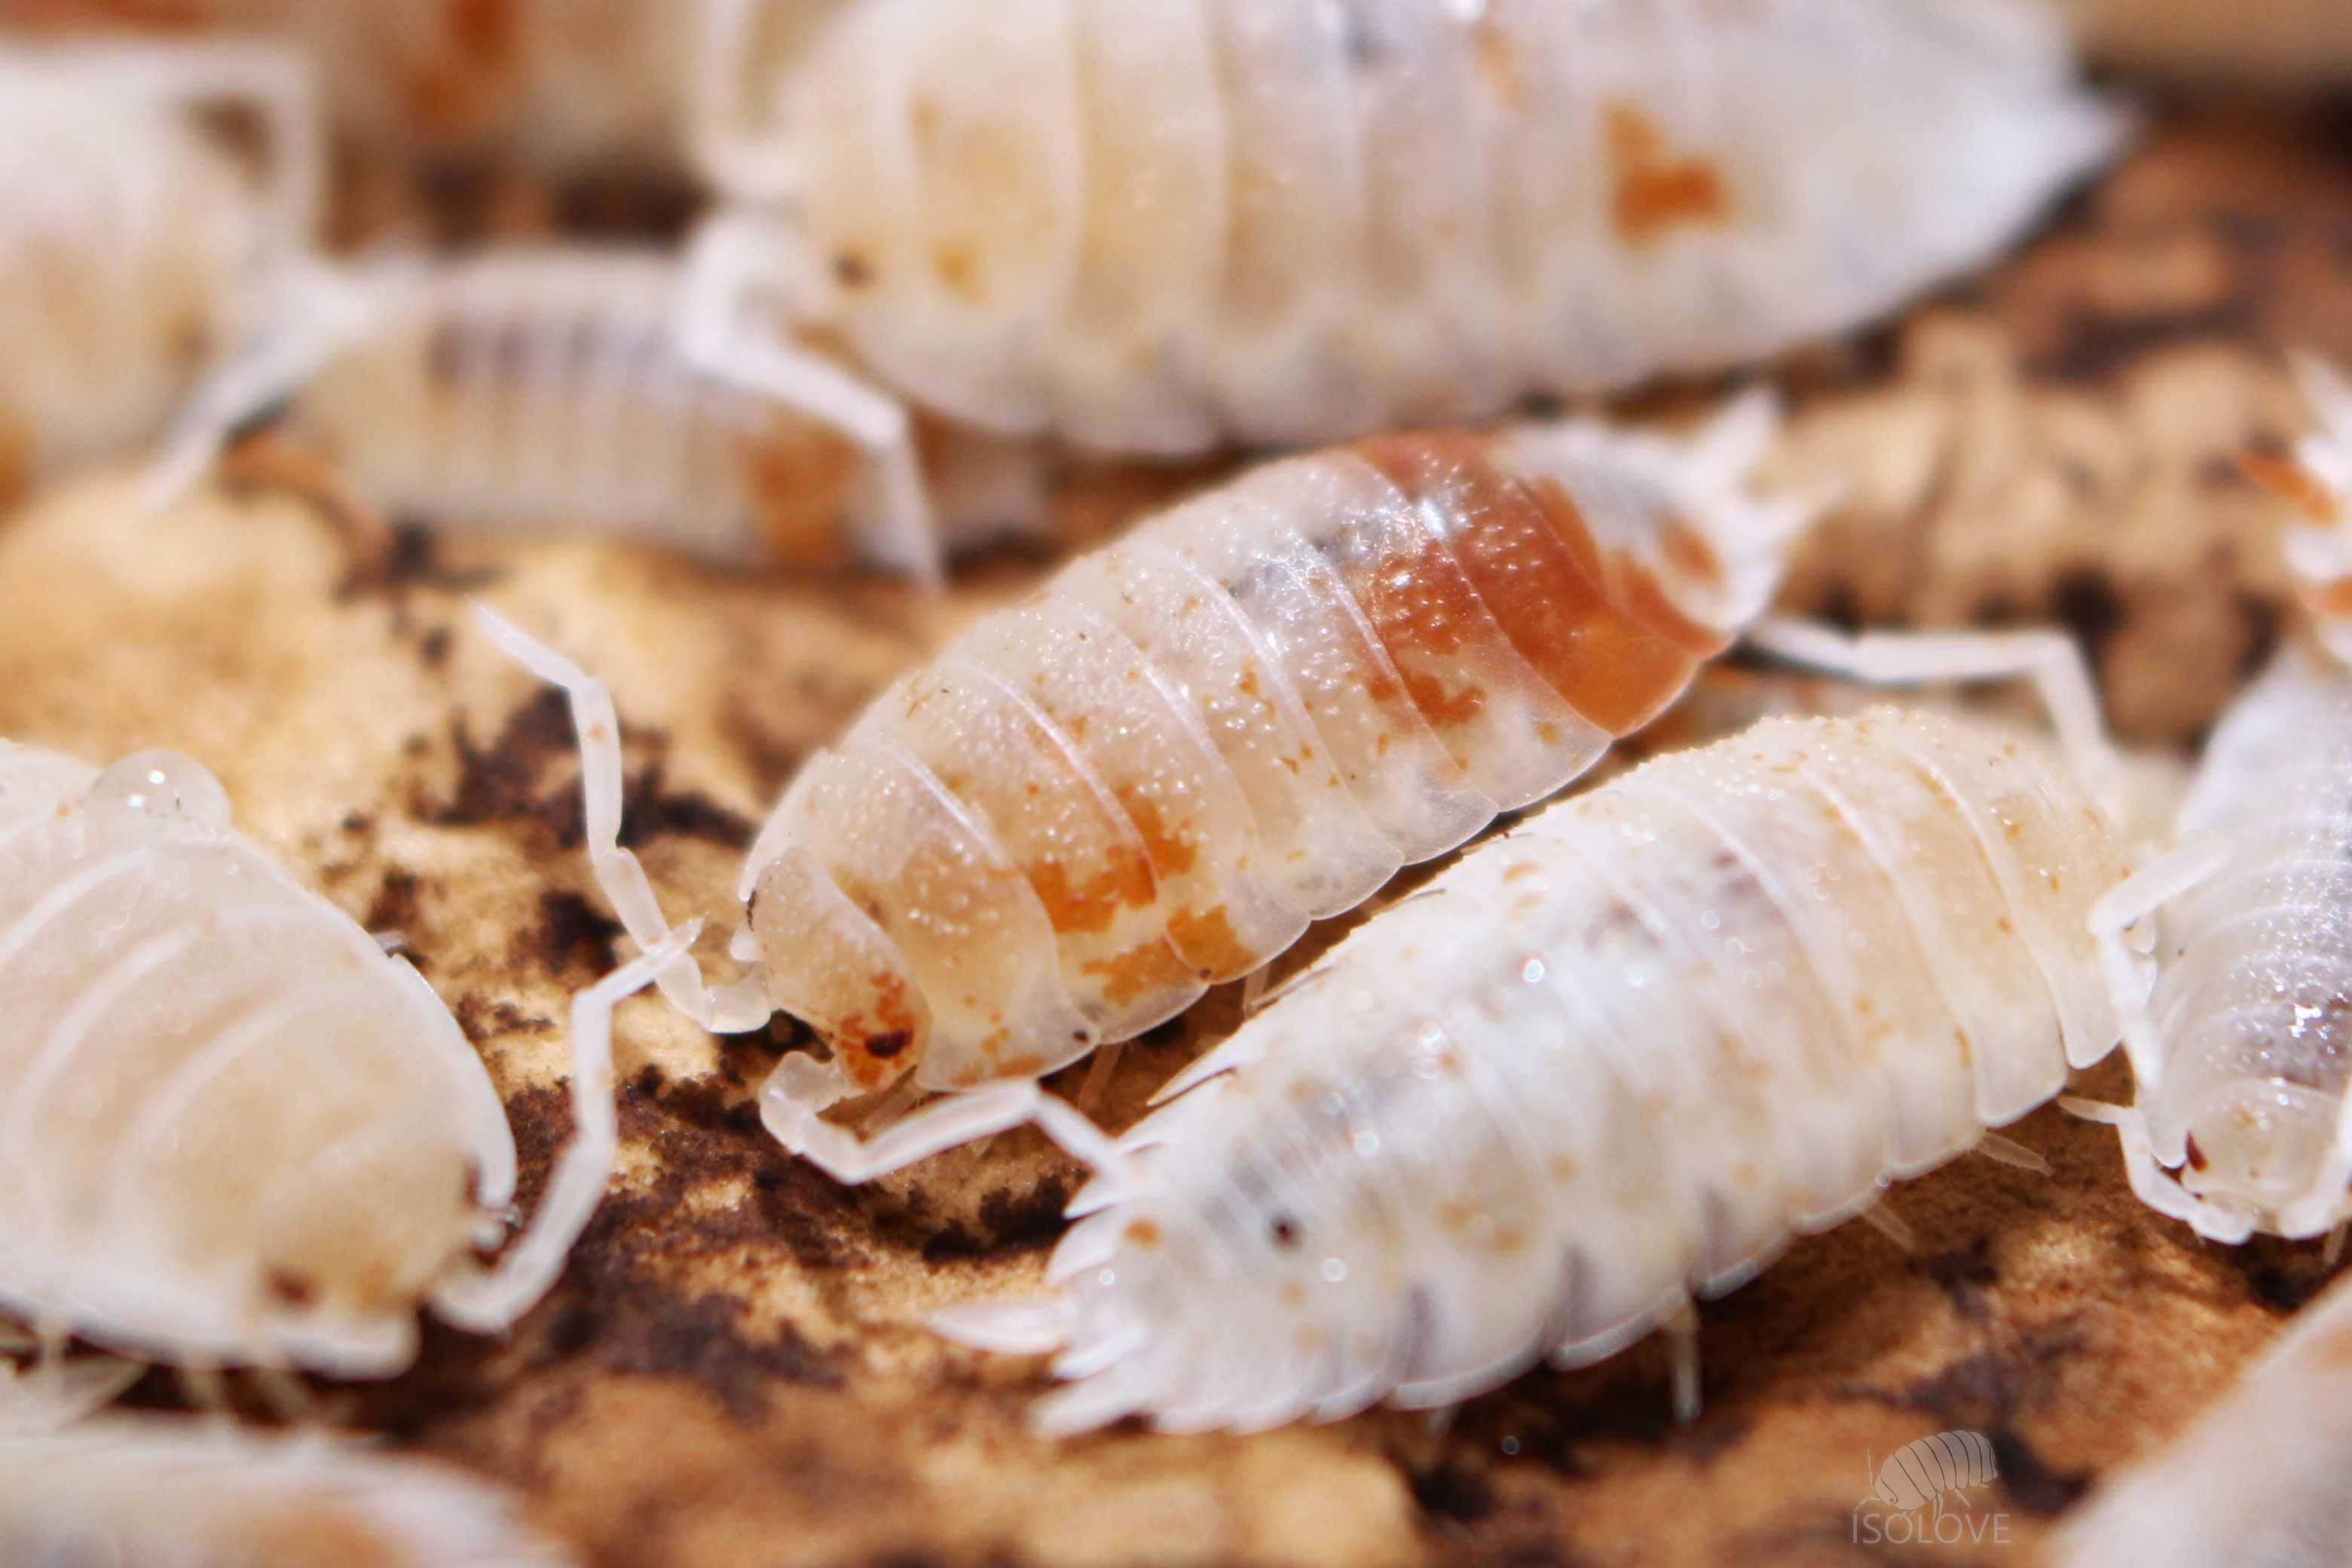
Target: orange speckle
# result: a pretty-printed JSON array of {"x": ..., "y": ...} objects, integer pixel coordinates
[
  {"x": 958, "y": 267},
  {"x": 1209, "y": 945},
  {"x": 2292, "y": 484},
  {"x": 1524, "y": 868},
  {"x": 1147, "y": 967},
  {"x": 1142, "y": 1233},
  {"x": 1173, "y": 851},
  {"x": 1125, "y": 880},
  {"x": 1654, "y": 191}
]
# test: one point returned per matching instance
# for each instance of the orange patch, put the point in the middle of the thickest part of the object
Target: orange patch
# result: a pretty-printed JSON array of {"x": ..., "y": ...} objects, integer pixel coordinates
[
  {"x": 1142, "y": 1233},
  {"x": 872, "y": 1046},
  {"x": 1208, "y": 944},
  {"x": 1147, "y": 967},
  {"x": 2330, "y": 601},
  {"x": 1172, "y": 852},
  {"x": 2291, "y": 484},
  {"x": 1654, "y": 191},
  {"x": 958, "y": 269},
  {"x": 1497, "y": 58},
  {"x": 16, "y": 465},
  {"x": 797, "y": 479},
  {"x": 1525, "y": 868},
  {"x": 1090, "y": 906}
]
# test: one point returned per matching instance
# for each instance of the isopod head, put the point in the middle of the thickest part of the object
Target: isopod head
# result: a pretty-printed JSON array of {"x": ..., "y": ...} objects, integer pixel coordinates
[{"x": 2258, "y": 1145}]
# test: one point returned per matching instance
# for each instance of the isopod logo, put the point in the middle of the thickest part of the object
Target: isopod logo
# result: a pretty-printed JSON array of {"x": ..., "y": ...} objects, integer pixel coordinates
[{"x": 1923, "y": 1474}]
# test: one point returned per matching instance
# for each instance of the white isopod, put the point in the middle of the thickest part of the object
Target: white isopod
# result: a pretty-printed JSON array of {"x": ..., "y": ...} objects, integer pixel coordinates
[
  {"x": 537, "y": 386},
  {"x": 1605, "y": 1063},
  {"x": 1152, "y": 775},
  {"x": 1932, "y": 1468},
  {"x": 2257, "y": 1482},
  {"x": 190, "y": 1495},
  {"x": 233, "y": 1131},
  {"x": 133, "y": 246},
  {"x": 1154, "y": 226},
  {"x": 2239, "y": 1024}
]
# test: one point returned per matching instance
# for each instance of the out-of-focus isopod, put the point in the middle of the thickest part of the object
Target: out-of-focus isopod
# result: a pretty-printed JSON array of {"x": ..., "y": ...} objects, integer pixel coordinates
[
  {"x": 1607, "y": 1062},
  {"x": 2239, "y": 1022},
  {"x": 1152, "y": 775},
  {"x": 133, "y": 247},
  {"x": 537, "y": 386},
  {"x": 1154, "y": 226},
  {"x": 194, "y": 1495},
  {"x": 233, "y": 1130},
  {"x": 2257, "y": 1482}
]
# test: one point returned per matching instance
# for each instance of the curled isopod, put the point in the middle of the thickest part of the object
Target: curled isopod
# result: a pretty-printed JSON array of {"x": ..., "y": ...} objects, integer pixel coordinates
[
  {"x": 133, "y": 246},
  {"x": 193, "y": 1495},
  {"x": 1149, "y": 777},
  {"x": 2239, "y": 1022},
  {"x": 2256, "y": 1482},
  {"x": 233, "y": 1130},
  {"x": 1613, "y": 1061},
  {"x": 1155, "y": 226},
  {"x": 537, "y": 386},
  {"x": 1936, "y": 1466}
]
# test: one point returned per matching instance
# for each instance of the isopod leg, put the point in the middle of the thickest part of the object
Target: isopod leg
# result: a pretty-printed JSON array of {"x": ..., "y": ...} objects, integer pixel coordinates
[
  {"x": 726, "y": 1010},
  {"x": 731, "y": 260},
  {"x": 2155, "y": 1185},
  {"x": 2049, "y": 659},
  {"x": 486, "y": 1301},
  {"x": 793, "y": 1101},
  {"x": 2009, "y": 1152},
  {"x": 2138, "y": 895},
  {"x": 1682, "y": 1341},
  {"x": 1882, "y": 1218}
]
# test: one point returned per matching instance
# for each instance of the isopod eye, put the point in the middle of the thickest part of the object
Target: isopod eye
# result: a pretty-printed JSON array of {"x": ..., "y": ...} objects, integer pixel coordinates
[{"x": 163, "y": 784}]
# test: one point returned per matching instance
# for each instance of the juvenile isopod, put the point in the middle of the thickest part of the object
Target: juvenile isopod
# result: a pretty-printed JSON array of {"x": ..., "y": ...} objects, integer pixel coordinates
[
  {"x": 190, "y": 1495},
  {"x": 1156, "y": 227},
  {"x": 537, "y": 386},
  {"x": 2256, "y": 1482},
  {"x": 1927, "y": 1471},
  {"x": 133, "y": 247},
  {"x": 1150, "y": 776},
  {"x": 2239, "y": 1022},
  {"x": 233, "y": 1130},
  {"x": 1606, "y": 1064}
]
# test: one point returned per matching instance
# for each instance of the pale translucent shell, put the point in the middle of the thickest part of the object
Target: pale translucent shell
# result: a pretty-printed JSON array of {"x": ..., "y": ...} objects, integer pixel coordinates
[{"x": 230, "y": 1125}]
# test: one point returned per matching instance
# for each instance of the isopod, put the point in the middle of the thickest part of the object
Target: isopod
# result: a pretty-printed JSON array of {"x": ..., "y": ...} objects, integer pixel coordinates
[
  {"x": 1605, "y": 1063},
  {"x": 1932, "y": 1468},
  {"x": 233, "y": 1130},
  {"x": 132, "y": 245},
  {"x": 199, "y": 1495},
  {"x": 2239, "y": 1023},
  {"x": 1156, "y": 227},
  {"x": 2256, "y": 1482},
  {"x": 537, "y": 386},
  {"x": 1149, "y": 777}
]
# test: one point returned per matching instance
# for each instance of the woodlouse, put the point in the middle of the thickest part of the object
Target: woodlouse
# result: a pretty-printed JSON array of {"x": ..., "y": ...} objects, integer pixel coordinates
[
  {"x": 233, "y": 1130},
  {"x": 1150, "y": 776},
  {"x": 193, "y": 1495},
  {"x": 537, "y": 386},
  {"x": 1927, "y": 1470},
  {"x": 132, "y": 246},
  {"x": 1607, "y": 1063},
  {"x": 1155, "y": 226},
  {"x": 2239, "y": 1023}
]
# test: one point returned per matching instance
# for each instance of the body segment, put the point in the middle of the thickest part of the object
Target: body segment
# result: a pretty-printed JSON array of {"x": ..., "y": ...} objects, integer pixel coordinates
[
  {"x": 1610, "y": 1060},
  {"x": 232, "y": 1129}
]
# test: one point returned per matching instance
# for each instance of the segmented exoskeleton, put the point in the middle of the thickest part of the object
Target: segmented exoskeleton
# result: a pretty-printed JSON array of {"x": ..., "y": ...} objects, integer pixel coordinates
[
  {"x": 2239, "y": 1023},
  {"x": 1154, "y": 226},
  {"x": 537, "y": 386},
  {"x": 233, "y": 1130},
  {"x": 194, "y": 1495},
  {"x": 134, "y": 248},
  {"x": 1149, "y": 777},
  {"x": 1607, "y": 1062}
]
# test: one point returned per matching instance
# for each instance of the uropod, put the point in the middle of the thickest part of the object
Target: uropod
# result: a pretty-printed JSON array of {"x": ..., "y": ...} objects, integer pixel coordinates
[
  {"x": 203, "y": 1495},
  {"x": 537, "y": 386},
  {"x": 133, "y": 246},
  {"x": 1151, "y": 774},
  {"x": 233, "y": 1130},
  {"x": 2239, "y": 1021},
  {"x": 1606, "y": 1064},
  {"x": 1156, "y": 227}
]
